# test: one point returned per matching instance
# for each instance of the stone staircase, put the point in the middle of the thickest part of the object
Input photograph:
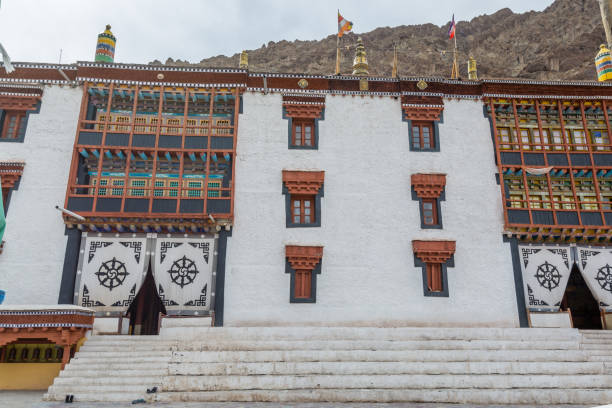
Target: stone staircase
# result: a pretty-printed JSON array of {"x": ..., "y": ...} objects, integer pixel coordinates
[{"x": 342, "y": 364}]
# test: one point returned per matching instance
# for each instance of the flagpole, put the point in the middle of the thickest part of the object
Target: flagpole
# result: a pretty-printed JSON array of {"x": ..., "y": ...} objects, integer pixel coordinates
[
  {"x": 455, "y": 70},
  {"x": 338, "y": 48}
]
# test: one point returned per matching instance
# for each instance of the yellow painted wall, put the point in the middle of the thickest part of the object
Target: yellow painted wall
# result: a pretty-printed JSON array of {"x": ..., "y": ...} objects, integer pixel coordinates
[{"x": 28, "y": 376}]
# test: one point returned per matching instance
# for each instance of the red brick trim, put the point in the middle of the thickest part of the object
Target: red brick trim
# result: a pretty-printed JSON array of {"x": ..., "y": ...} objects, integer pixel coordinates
[
  {"x": 23, "y": 103},
  {"x": 433, "y": 251},
  {"x": 422, "y": 112},
  {"x": 303, "y": 182},
  {"x": 303, "y": 257},
  {"x": 428, "y": 185},
  {"x": 303, "y": 111}
]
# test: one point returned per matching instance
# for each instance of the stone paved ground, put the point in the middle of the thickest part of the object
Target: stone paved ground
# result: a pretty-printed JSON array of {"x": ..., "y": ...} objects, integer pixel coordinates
[{"x": 33, "y": 399}]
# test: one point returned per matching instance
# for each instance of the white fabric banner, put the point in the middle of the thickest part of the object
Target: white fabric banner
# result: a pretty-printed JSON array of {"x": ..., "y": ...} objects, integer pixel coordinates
[
  {"x": 112, "y": 270},
  {"x": 546, "y": 270},
  {"x": 183, "y": 273},
  {"x": 595, "y": 264}
]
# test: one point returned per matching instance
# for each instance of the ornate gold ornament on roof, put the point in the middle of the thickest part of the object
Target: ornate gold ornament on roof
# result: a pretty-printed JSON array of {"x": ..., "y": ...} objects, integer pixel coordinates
[
  {"x": 303, "y": 83},
  {"x": 244, "y": 60},
  {"x": 360, "y": 63},
  {"x": 422, "y": 85}
]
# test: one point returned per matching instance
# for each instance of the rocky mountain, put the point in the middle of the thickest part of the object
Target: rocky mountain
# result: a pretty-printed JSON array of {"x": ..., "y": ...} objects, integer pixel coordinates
[{"x": 559, "y": 42}]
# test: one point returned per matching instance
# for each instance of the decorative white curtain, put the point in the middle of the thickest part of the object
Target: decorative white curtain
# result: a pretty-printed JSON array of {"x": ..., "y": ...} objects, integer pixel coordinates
[
  {"x": 546, "y": 270},
  {"x": 595, "y": 264},
  {"x": 111, "y": 270},
  {"x": 182, "y": 269}
]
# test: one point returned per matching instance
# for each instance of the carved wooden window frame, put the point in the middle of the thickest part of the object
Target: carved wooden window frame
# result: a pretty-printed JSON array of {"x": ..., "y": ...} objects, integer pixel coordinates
[
  {"x": 304, "y": 261},
  {"x": 434, "y": 257},
  {"x": 303, "y": 185},
  {"x": 429, "y": 188}
]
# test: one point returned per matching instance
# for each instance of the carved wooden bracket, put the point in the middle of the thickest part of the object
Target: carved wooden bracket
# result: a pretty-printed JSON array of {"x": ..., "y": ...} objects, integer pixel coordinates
[
  {"x": 422, "y": 112},
  {"x": 303, "y": 257},
  {"x": 10, "y": 173},
  {"x": 303, "y": 111},
  {"x": 433, "y": 251},
  {"x": 303, "y": 182},
  {"x": 428, "y": 185}
]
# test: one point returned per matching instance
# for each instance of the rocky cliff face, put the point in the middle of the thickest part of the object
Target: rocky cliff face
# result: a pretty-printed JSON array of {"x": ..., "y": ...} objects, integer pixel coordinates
[{"x": 557, "y": 43}]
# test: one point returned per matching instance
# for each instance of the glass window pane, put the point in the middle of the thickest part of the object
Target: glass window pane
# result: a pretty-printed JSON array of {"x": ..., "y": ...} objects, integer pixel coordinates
[
  {"x": 427, "y": 206},
  {"x": 307, "y": 211},
  {"x": 296, "y": 203},
  {"x": 296, "y": 211},
  {"x": 306, "y": 204},
  {"x": 296, "y": 219},
  {"x": 307, "y": 219}
]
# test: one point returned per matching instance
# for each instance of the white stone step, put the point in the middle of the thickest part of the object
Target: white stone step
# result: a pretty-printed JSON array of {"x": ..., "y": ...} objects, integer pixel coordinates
[
  {"x": 460, "y": 396},
  {"x": 368, "y": 355},
  {"x": 126, "y": 371},
  {"x": 373, "y": 368},
  {"x": 347, "y": 333},
  {"x": 334, "y": 345},
  {"x": 125, "y": 397},
  {"x": 111, "y": 379},
  {"x": 120, "y": 366},
  {"x": 272, "y": 382},
  {"x": 63, "y": 389}
]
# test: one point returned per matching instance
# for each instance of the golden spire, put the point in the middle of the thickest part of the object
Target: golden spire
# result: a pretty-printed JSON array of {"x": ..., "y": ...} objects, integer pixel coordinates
[
  {"x": 244, "y": 60},
  {"x": 472, "y": 72},
  {"x": 394, "y": 70},
  {"x": 360, "y": 63}
]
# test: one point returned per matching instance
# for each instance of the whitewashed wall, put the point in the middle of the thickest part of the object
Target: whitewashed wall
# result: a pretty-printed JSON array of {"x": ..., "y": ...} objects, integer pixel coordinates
[
  {"x": 368, "y": 220},
  {"x": 33, "y": 257}
]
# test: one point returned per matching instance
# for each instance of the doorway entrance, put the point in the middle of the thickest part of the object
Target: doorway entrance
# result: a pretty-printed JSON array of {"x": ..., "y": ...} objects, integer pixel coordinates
[
  {"x": 579, "y": 299},
  {"x": 145, "y": 310}
]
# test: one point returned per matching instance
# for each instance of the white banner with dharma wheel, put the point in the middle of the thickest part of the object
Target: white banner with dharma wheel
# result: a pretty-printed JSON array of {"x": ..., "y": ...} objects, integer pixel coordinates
[
  {"x": 595, "y": 264},
  {"x": 182, "y": 269},
  {"x": 111, "y": 271},
  {"x": 546, "y": 270}
]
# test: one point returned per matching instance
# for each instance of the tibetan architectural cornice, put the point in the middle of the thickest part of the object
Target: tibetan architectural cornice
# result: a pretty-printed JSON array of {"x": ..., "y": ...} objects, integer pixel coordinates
[
  {"x": 303, "y": 257},
  {"x": 428, "y": 185},
  {"x": 433, "y": 251},
  {"x": 10, "y": 173},
  {"x": 301, "y": 83},
  {"x": 303, "y": 182},
  {"x": 561, "y": 234},
  {"x": 415, "y": 112}
]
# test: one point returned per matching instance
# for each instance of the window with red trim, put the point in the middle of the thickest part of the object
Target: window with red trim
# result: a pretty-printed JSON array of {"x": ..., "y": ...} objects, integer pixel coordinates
[
  {"x": 302, "y": 209},
  {"x": 302, "y": 289},
  {"x": 12, "y": 124},
  {"x": 434, "y": 277},
  {"x": 303, "y": 133},
  {"x": 429, "y": 208},
  {"x": 423, "y": 136}
]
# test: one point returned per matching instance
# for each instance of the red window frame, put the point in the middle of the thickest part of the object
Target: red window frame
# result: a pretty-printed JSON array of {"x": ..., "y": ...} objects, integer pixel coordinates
[
  {"x": 434, "y": 277},
  {"x": 423, "y": 135},
  {"x": 12, "y": 124},
  {"x": 429, "y": 209},
  {"x": 303, "y": 133},
  {"x": 302, "y": 284},
  {"x": 302, "y": 209}
]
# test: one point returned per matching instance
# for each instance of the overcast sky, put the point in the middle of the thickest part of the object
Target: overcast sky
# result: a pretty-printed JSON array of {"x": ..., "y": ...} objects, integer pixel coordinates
[{"x": 36, "y": 30}]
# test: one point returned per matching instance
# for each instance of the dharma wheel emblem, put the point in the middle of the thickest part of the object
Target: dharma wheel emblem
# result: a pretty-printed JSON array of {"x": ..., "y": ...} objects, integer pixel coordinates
[
  {"x": 548, "y": 276},
  {"x": 604, "y": 277},
  {"x": 183, "y": 271},
  {"x": 303, "y": 83},
  {"x": 421, "y": 85},
  {"x": 112, "y": 273}
]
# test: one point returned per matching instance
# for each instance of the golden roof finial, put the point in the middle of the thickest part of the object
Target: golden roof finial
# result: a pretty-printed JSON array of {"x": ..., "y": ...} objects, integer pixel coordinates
[
  {"x": 394, "y": 70},
  {"x": 472, "y": 71},
  {"x": 244, "y": 60},
  {"x": 360, "y": 63}
]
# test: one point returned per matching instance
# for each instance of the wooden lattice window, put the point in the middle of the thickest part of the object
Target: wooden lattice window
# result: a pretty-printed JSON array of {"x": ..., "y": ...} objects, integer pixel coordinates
[
  {"x": 422, "y": 136},
  {"x": 140, "y": 120},
  {"x": 303, "y": 133},
  {"x": 121, "y": 123},
  {"x": 434, "y": 277},
  {"x": 221, "y": 127},
  {"x": 302, "y": 209},
  {"x": 429, "y": 207},
  {"x": 12, "y": 125},
  {"x": 302, "y": 284}
]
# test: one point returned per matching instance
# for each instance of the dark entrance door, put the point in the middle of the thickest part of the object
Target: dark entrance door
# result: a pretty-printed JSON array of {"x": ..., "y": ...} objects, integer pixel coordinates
[
  {"x": 579, "y": 299},
  {"x": 145, "y": 310}
]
